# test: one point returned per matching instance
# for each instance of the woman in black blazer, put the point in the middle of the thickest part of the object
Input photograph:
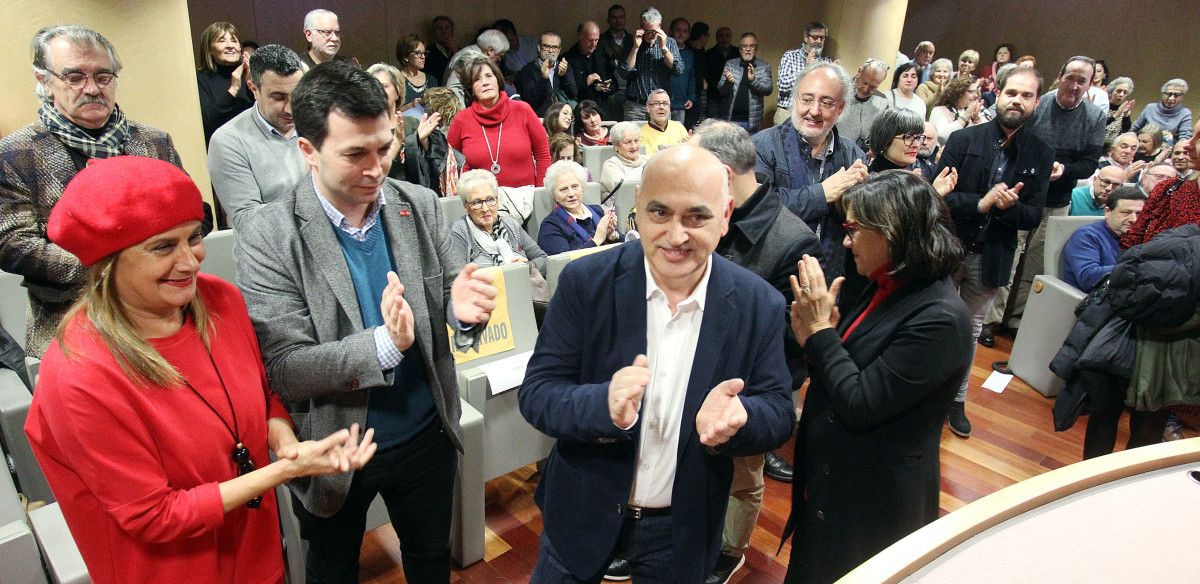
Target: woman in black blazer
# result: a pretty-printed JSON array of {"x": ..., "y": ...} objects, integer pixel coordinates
[{"x": 884, "y": 368}]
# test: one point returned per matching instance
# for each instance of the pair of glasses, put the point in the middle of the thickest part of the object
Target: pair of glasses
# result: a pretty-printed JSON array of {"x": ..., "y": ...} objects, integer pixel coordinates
[
  {"x": 77, "y": 80},
  {"x": 419, "y": 53},
  {"x": 851, "y": 228},
  {"x": 1109, "y": 183},
  {"x": 551, "y": 47},
  {"x": 1159, "y": 175},
  {"x": 481, "y": 203},
  {"x": 1172, "y": 94},
  {"x": 245, "y": 465},
  {"x": 659, "y": 104},
  {"x": 827, "y": 104},
  {"x": 329, "y": 32},
  {"x": 913, "y": 139},
  {"x": 749, "y": 46}
]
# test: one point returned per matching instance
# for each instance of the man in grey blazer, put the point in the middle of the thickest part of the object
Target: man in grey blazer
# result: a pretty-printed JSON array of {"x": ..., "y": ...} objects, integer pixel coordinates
[{"x": 349, "y": 285}]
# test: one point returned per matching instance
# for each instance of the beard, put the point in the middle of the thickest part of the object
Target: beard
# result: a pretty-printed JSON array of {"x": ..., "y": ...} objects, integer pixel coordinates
[{"x": 1012, "y": 118}]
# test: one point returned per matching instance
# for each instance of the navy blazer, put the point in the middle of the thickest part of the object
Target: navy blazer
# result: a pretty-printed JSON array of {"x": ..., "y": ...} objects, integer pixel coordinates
[{"x": 596, "y": 324}]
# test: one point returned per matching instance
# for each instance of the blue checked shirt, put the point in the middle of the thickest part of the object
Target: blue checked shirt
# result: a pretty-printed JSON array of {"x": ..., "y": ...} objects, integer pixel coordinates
[
  {"x": 650, "y": 71},
  {"x": 790, "y": 67}
]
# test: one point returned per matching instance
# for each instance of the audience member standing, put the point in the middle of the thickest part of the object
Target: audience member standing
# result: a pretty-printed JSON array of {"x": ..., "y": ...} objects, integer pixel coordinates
[
  {"x": 855, "y": 122},
  {"x": 651, "y": 61},
  {"x": 593, "y": 73},
  {"x": 442, "y": 46},
  {"x": 76, "y": 70},
  {"x": 683, "y": 87},
  {"x": 518, "y": 157},
  {"x": 222, "y": 77},
  {"x": 255, "y": 159},
  {"x": 324, "y": 36},
  {"x": 1003, "y": 172},
  {"x": 714, "y": 67},
  {"x": 745, "y": 81},
  {"x": 548, "y": 78},
  {"x": 793, "y": 64},
  {"x": 614, "y": 45}
]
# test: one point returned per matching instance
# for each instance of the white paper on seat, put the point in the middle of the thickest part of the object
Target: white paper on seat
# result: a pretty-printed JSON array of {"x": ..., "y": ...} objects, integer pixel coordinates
[
  {"x": 507, "y": 373},
  {"x": 997, "y": 381}
]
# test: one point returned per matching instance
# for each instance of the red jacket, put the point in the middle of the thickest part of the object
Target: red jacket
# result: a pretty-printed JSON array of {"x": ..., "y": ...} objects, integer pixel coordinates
[{"x": 136, "y": 468}]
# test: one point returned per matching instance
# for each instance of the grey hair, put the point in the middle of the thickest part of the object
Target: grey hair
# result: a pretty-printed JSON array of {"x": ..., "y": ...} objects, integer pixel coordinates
[
  {"x": 656, "y": 92},
  {"x": 77, "y": 36},
  {"x": 1176, "y": 83},
  {"x": 972, "y": 53},
  {"x": 925, "y": 45},
  {"x": 838, "y": 71},
  {"x": 492, "y": 39},
  {"x": 275, "y": 58},
  {"x": 1112, "y": 85},
  {"x": 394, "y": 73},
  {"x": 558, "y": 169},
  {"x": 652, "y": 15},
  {"x": 943, "y": 62},
  {"x": 310, "y": 19},
  {"x": 729, "y": 143},
  {"x": 620, "y": 131},
  {"x": 471, "y": 180},
  {"x": 874, "y": 64}
]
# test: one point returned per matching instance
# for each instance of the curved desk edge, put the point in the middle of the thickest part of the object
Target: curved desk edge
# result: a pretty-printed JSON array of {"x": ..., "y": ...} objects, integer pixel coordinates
[{"x": 907, "y": 556}]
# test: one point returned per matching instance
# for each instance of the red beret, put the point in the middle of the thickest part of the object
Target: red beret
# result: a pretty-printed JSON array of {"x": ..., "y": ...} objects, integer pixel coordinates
[{"x": 117, "y": 202}]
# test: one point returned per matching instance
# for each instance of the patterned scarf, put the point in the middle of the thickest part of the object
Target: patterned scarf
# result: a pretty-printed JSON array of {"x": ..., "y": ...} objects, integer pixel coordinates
[{"x": 110, "y": 143}]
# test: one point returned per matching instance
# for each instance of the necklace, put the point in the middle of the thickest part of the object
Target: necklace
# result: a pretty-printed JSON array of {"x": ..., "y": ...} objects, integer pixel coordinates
[
  {"x": 495, "y": 158},
  {"x": 240, "y": 454}
]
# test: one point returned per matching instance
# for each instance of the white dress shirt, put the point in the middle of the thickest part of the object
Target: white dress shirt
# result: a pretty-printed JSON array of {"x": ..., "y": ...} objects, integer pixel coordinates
[{"x": 670, "y": 348}]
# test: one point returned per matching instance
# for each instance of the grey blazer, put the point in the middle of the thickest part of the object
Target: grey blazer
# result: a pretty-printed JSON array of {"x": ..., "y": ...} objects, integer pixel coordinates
[{"x": 301, "y": 299}]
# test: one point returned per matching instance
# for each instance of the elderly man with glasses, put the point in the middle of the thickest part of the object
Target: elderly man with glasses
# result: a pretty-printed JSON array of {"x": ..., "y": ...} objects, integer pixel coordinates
[
  {"x": 661, "y": 131},
  {"x": 1088, "y": 199},
  {"x": 324, "y": 37},
  {"x": 76, "y": 70},
  {"x": 548, "y": 78}
]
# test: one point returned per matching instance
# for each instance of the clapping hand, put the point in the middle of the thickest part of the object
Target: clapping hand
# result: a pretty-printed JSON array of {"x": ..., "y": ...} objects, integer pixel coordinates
[
  {"x": 562, "y": 66},
  {"x": 722, "y": 413},
  {"x": 625, "y": 392},
  {"x": 397, "y": 314},
  {"x": 337, "y": 453},
  {"x": 473, "y": 296},
  {"x": 945, "y": 181},
  {"x": 814, "y": 307}
]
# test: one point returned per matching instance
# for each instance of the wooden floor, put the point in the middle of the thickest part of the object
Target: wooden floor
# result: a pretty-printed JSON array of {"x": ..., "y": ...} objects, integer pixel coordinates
[{"x": 1012, "y": 439}]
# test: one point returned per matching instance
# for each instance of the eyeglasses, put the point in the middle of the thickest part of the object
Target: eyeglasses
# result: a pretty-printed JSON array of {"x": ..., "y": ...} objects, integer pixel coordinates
[
  {"x": 1159, "y": 175},
  {"x": 551, "y": 47},
  {"x": 1172, "y": 94},
  {"x": 329, "y": 32},
  {"x": 817, "y": 37},
  {"x": 659, "y": 104},
  {"x": 77, "y": 80},
  {"x": 481, "y": 203},
  {"x": 419, "y": 53},
  {"x": 851, "y": 228},
  {"x": 245, "y": 465},
  {"x": 913, "y": 139},
  {"x": 827, "y": 104},
  {"x": 1107, "y": 183},
  {"x": 755, "y": 46}
]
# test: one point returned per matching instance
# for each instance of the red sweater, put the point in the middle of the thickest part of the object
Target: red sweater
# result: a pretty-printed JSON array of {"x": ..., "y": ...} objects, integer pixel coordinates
[
  {"x": 1162, "y": 212},
  {"x": 523, "y": 148},
  {"x": 135, "y": 469}
]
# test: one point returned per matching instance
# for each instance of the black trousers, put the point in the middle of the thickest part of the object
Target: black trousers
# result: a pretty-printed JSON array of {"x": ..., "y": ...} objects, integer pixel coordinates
[
  {"x": 1145, "y": 428},
  {"x": 416, "y": 480}
]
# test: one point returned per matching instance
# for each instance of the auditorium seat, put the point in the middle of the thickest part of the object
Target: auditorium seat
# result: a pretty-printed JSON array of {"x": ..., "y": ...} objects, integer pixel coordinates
[
  {"x": 14, "y": 306},
  {"x": 20, "y": 560},
  {"x": 15, "y": 400},
  {"x": 558, "y": 261},
  {"x": 1049, "y": 312},
  {"x": 218, "y": 255},
  {"x": 594, "y": 157},
  {"x": 452, "y": 209},
  {"x": 543, "y": 204},
  {"x": 63, "y": 561}
]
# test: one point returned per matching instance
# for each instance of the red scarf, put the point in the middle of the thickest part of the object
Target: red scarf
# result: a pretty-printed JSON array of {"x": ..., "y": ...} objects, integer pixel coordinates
[
  {"x": 493, "y": 116},
  {"x": 885, "y": 286}
]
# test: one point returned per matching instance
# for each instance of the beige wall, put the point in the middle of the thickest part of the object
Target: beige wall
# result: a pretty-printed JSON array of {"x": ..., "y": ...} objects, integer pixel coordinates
[
  {"x": 157, "y": 86},
  {"x": 1148, "y": 42}
]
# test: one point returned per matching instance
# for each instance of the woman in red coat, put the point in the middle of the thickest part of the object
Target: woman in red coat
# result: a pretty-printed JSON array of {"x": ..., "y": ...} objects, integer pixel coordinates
[
  {"x": 498, "y": 134},
  {"x": 152, "y": 416}
]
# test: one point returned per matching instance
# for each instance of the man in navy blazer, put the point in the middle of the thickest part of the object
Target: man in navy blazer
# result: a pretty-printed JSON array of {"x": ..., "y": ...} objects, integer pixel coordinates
[{"x": 657, "y": 363}]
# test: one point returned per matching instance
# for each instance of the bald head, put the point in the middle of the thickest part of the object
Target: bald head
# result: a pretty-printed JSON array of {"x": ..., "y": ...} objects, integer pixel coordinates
[
  {"x": 1106, "y": 180},
  {"x": 589, "y": 37},
  {"x": 688, "y": 164}
]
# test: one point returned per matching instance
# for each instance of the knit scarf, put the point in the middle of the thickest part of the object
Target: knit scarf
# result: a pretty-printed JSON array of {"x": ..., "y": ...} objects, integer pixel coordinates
[
  {"x": 493, "y": 116},
  {"x": 494, "y": 244},
  {"x": 110, "y": 143}
]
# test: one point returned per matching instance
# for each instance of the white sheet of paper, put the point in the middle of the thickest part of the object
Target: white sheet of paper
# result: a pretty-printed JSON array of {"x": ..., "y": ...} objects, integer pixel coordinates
[
  {"x": 997, "y": 381},
  {"x": 507, "y": 373}
]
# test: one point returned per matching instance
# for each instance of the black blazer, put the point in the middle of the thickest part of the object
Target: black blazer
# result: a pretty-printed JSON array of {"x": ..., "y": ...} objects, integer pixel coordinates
[
  {"x": 535, "y": 89},
  {"x": 974, "y": 151},
  {"x": 582, "y": 66},
  {"x": 596, "y": 325},
  {"x": 867, "y": 469}
]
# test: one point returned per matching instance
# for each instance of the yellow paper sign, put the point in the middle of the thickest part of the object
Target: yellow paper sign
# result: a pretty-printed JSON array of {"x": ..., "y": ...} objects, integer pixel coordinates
[{"x": 497, "y": 337}]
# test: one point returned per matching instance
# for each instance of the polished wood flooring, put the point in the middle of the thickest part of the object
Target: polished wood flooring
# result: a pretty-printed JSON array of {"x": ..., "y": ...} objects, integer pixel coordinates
[{"x": 1012, "y": 439}]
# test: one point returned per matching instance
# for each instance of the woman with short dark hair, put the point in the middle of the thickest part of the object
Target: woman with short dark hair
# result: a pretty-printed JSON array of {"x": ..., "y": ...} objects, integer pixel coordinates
[
  {"x": 897, "y": 136},
  {"x": 884, "y": 368}
]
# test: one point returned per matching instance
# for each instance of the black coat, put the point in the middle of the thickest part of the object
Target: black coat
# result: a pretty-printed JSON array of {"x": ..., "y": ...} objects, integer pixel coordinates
[
  {"x": 974, "y": 151},
  {"x": 581, "y": 66},
  {"x": 536, "y": 90},
  {"x": 867, "y": 468}
]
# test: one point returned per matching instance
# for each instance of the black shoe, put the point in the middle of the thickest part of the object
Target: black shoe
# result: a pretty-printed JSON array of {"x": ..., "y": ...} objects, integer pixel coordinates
[
  {"x": 619, "y": 570},
  {"x": 987, "y": 336},
  {"x": 726, "y": 566},
  {"x": 959, "y": 424},
  {"x": 777, "y": 468}
]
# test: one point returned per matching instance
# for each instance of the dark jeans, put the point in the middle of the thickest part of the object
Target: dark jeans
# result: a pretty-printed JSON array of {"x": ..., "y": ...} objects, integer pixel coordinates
[
  {"x": 645, "y": 542},
  {"x": 416, "y": 480},
  {"x": 1145, "y": 428}
]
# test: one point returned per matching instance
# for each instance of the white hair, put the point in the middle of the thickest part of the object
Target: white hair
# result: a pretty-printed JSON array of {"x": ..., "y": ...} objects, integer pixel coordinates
[
  {"x": 310, "y": 19},
  {"x": 472, "y": 180},
  {"x": 1181, "y": 84},
  {"x": 620, "y": 131},
  {"x": 492, "y": 39},
  {"x": 560, "y": 168},
  {"x": 652, "y": 15}
]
